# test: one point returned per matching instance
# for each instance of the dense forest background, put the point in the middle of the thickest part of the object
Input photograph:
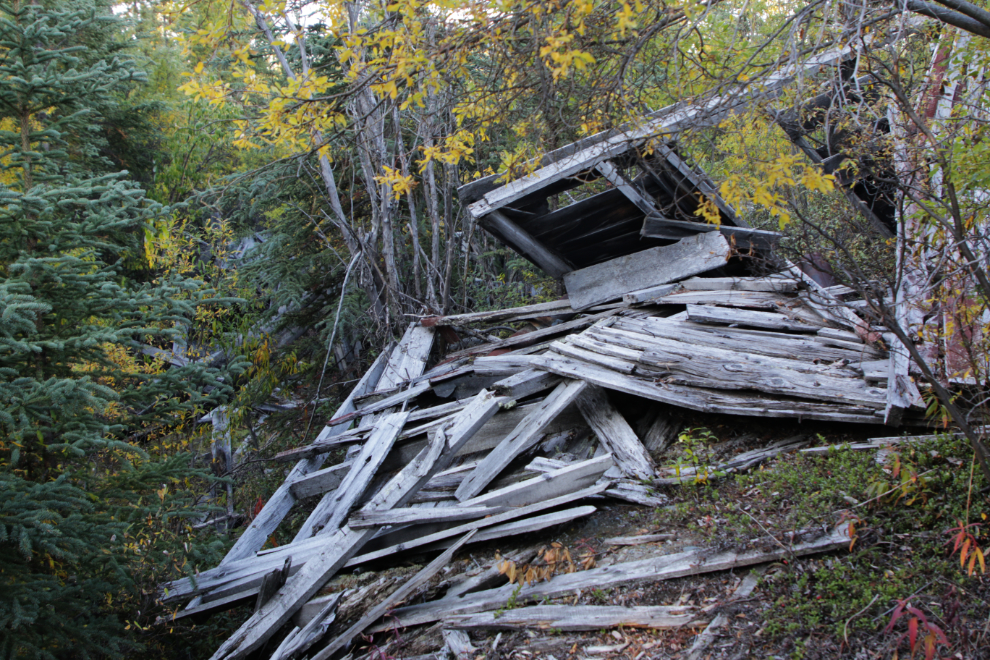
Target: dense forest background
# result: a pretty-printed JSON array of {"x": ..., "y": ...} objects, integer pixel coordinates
[{"x": 225, "y": 209}]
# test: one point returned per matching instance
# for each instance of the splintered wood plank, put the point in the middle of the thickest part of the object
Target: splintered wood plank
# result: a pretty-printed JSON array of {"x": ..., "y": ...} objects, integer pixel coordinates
[
  {"x": 514, "y": 314},
  {"x": 576, "y": 617},
  {"x": 649, "y": 294},
  {"x": 615, "y": 433},
  {"x": 902, "y": 393},
  {"x": 514, "y": 521},
  {"x": 502, "y": 365},
  {"x": 408, "y": 359},
  {"x": 521, "y": 241},
  {"x": 664, "y": 567},
  {"x": 345, "y": 542},
  {"x": 282, "y": 500},
  {"x": 319, "y": 482},
  {"x": 773, "y": 284},
  {"x": 413, "y": 516},
  {"x": 613, "y": 279},
  {"x": 524, "y": 436},
  {"x": 536, "y": 336},
  {"x": 756, "y": 299},
  {"x": 399, "y": 595},
  {"x": 747, "y": 317},
  {"x": 396, "y": 399},
  {"x": 549, "y": 485},
  {"x": 612, "y": 174},
  {"x": 363, "y": 469},
  {"x": 660, "y": 429},
  {"x": 655, "y": 226},
  {"x": 525, "y": 383}
]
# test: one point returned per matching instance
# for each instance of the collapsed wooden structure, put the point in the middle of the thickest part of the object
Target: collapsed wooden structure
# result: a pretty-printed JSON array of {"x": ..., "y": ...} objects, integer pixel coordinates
[{"x": 505, "y": 436}]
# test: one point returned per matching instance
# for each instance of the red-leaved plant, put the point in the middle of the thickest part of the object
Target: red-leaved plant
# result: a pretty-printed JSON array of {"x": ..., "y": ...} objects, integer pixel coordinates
[{"x": 917, "y": 622}]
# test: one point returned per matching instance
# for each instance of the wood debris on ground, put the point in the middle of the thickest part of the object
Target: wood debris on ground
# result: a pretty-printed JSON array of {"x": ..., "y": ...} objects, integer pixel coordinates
[{"x": 502, "y": 437}]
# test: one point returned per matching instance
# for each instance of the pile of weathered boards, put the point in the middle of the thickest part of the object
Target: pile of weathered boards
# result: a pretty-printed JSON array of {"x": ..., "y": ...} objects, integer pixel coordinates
[{"x": 510, "y": 436}]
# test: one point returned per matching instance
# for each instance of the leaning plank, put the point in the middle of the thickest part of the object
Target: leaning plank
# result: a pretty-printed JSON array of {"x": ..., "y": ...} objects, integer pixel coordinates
[
  {"x": 536, "y": 336},
  {"x": 525, "y": 383},
  {"x": 524, "y": 436},
  {"x": 413, "y": 516},
  {"x": 301, "y": 639},
  {"x": 615, "y": 433},
  {"x": 344, "y": 543},
  {"x": 514, "y": 314},
  {"x": 408, "y": 359},
  {"x": 394, "y": 400},
  {"x": 649, "y": 294},
  {"x": 399, "y": 595},
  {"x": 319, "y": 482},
  {"x": 655, "y": 226},
  {"x": 757, "y": 299},
  {"x": 614, "y": 278},
  {"x": 902, "y": 393},
  {"x": 747, "y": 317},
  {"x": 576, "y": 617},
  {"x": 282, "y": 500},
  {"x": 664, "y": 567},
  {"x": 777, "y": 284},
  {"x": 521, "y": 241},
  {"x": 510, "y": 519},
  {"x": 365, "y": 465},
  {"x": 549, "y": 485},
  {"x": 502, "y": 365},
  {"x": 458, "y": 644},
  {"x": 614, "y": 176}
]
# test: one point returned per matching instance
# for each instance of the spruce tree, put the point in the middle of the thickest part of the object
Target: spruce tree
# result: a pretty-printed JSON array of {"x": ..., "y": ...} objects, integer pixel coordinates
[{"x": 75, "y": 484}]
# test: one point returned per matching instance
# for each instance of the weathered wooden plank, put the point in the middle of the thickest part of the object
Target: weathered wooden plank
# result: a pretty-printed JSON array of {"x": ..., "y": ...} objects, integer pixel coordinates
[
  {"x": 649, "y": 294},
  {"x": 664, "y": 567},
  {"x": 535, "y": 336},
  {"x": 395, "y": 400},
  {"x": 902, "y": 393},
  {"x": 363, "y": 469},
  {"x": 525, "y": 383},
  {"x": 614, "y": 176},
  {"x": 772, "y": 284},
  {"x": 412, "y": 516},
  {"x": 756, "y": 299},
  {"x": 572, "y": 351},
  {"x": 747, "y": 317},
  {"x": 408, "y": 359},
  {"x": 524, "y": 436},
  {"x": 615, "y": 433},
  {"x": 613, "y": 279},
  {"x": 555, "y": 483},
  {"x": 319, "y": 482},
  {"x": 706, "y": 400},
  {"x": 281, "y": 501},
  {"x": 502, "y": 365},
  {"x": 399, "y": 595},
  {"x": 514, "y": 521},
  {"x": 744, "y": 238},
  {"x": 458, "y": 644},
  {"x": 311, "y": 631},
  {"x": 642, "y": 539},
  {"x": 523, "y": 243},
  {"x": 553, "y": 308},
  {"x": 343, "y": 544},
  {"x": 576, "y": 617},
  {"x": 637, "y": 494},
  {"x": 491, "y": 576},
  {"x": 660, "y": 429}
]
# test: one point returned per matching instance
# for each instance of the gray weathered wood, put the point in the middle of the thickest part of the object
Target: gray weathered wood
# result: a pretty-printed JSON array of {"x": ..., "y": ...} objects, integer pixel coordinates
[
  {"x": 549, "y": 485},
  {"x": 660, "y": 265},
  {"x": 552, "y": 308},
  {"x": 408, "y": 359},
  {"x": 502, "y": 365},
  {"x": 319, "y": 482},
  {"x": 281, "y": 501},
  {"x": 525, "y": 383},
  {"x": 399, "y": 595},
  {"x": 363, "y": 469},
  {"x": 615, "y": 433},
  {"x": 756, "y": 299},
  {"x": 491, "y": 576},
  {"x": 395, "y": 400},
  {"x": 576, "y": 617},
  {"x": 311, "y": 631},
  {"x": 612, "y": 174},
  {"x": 344, "y": 543},
  {"x": 902, "y": 393},
  {"x": 743, "y": 238},
  {"x": 412, "y": 516},
  {"x": 747, "y": 317},
  {"x": 642, "y": 539},
  {"x": 520, "y": 240},
  {"x": 271, "y": 583},
  {"x": 636, "y": 493},
  {"x": 664, "y": 567},
  {"x": 661, "y": 429},
  {"x": 649, "y": 294},
  {"x": 502, "y": 521},
  {"x": 773, "y": 284},
  {"x": 458, "y": 644},
  {"x": 524, "y": 436}
]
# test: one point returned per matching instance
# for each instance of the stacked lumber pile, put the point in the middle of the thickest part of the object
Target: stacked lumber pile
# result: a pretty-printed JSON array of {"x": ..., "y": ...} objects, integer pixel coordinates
[{"x": 507, "y": 436}]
